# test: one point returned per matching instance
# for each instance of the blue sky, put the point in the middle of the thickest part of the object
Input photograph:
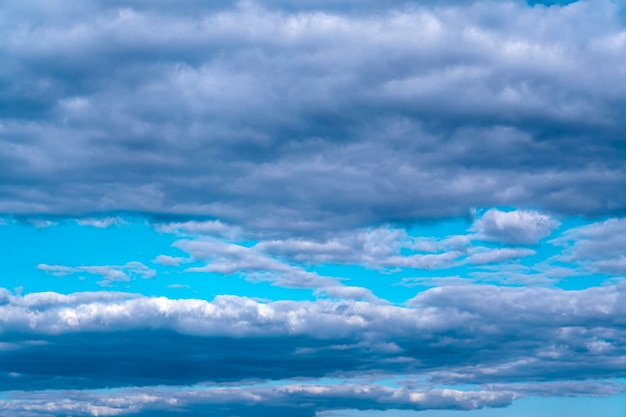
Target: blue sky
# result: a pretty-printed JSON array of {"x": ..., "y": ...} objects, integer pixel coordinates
[{"x": 312, "y": 208}]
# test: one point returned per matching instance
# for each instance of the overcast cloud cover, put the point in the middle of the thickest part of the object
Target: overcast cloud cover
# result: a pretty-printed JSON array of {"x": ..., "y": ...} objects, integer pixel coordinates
[
  {"x": 288, "y": 117},
  {"x": 281, "y": 207}
]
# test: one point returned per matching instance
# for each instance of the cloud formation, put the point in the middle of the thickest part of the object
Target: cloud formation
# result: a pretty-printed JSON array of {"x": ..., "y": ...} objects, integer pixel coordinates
[
  {"x": 452, "y": 335},
  {"x": 293, "y": 400},
  {"x": 514, "y": 227},
  {"x": 600, "y": 247},
  {"x": 293, "y": 118},
  {"x": 109, "y": 273},
  {"x": 294, "y": 142}
]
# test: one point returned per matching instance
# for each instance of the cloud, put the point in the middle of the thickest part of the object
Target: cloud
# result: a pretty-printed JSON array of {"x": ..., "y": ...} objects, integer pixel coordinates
[
  {"x": 101, "y": 223},
  {"x": 514, "y": 227},
  {"x": 167, "y": 260},
  {"x": 379, "y": 248},
  {"x": 194, "y": 227},
  {"x": 230, "y": 258},
  {"x": 481, "y": 256},
  {"x": 454, "y": 335},
  {"x": 600, "y": 247},
  {"x": 289, "y": 399},
  {"x": 42, "y": 223},
  {"x": 284, "y": 120},
  {"x": 109, "y": 273}
]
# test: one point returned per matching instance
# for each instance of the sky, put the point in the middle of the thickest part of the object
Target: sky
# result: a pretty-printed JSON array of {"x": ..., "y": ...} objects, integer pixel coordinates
[{"x": 313, "y": 208}]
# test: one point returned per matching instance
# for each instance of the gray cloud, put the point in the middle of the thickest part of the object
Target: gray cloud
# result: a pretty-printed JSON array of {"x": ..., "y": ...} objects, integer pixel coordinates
[
  {"x": 514, "y": 227},
  {"x": 311, "y": 116},
  {"x": 167, "y": 260},
  {"x": 600, "y": 247},
  {"x": 454, "y": 335}
]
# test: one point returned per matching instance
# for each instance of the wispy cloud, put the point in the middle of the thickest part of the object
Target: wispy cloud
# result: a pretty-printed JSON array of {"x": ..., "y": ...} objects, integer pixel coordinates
[{"x": 108, "y": 273}]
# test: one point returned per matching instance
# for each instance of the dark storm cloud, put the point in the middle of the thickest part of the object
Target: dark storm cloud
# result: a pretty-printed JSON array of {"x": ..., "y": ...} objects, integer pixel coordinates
[
  {"x": 305, "y": 116},
  {"x": 452, "y": 335}
]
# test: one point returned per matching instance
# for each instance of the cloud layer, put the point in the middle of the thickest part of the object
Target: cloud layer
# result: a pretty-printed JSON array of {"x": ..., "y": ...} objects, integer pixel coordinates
[
  {"x": 452, "y": 335},
  {"x": 298, "y": 117},
  {"x": 306, "y": 145}
]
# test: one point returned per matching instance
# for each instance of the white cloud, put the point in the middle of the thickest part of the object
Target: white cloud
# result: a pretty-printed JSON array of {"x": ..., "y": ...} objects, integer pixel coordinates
[
  {"x": 514, "y": 227},
  {"x": 600, "y": 247},
  {"x": 167, "y": 260},
  {"x": 254, "y": 401},
  {"x": 479, "y": 256},
  {"x": 194, "y": 227},
  {"x": 109, "y": 273},
  {"x": 101, "y": 222},
  {"x": 230, "y": 258}
]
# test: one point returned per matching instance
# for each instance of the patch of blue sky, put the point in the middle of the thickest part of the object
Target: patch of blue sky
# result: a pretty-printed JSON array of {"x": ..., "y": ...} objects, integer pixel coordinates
[
  {"x": 24, "y": 247},
  {"x": 440, "y": 229}
]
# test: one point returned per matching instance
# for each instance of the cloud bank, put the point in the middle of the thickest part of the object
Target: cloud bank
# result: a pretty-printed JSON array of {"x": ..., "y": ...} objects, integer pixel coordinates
[
  {"x": 311, "y": 116},
  {"x": 452, "y": 335}
]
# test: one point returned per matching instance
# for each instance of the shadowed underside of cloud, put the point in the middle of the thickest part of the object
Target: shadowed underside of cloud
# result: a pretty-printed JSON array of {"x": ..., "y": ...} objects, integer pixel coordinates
[
  {"x": 299, "y": 117},
  {"x": 450, "y": 335}
]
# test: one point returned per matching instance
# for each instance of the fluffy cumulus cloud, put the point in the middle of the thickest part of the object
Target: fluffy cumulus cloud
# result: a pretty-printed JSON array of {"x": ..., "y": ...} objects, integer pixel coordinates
[
  {"x": 514, "y": 227},
  {"x": 310, "y": 147},
  {"x": 292, "y": 117},
  {"x": 448, "y": 335}
]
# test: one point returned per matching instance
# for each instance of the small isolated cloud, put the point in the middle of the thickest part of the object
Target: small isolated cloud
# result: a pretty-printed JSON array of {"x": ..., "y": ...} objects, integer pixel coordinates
[
  {"x": 179, "y": 286},
  {"x": 108, "y": 273},
  {"x": 197, "y": 228},
  {"x": 167, "y": 260},
  {"x": 514, "y": 227},
  {"x": 101, "y": 223},
  {"x": 42, "y": 223}
]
